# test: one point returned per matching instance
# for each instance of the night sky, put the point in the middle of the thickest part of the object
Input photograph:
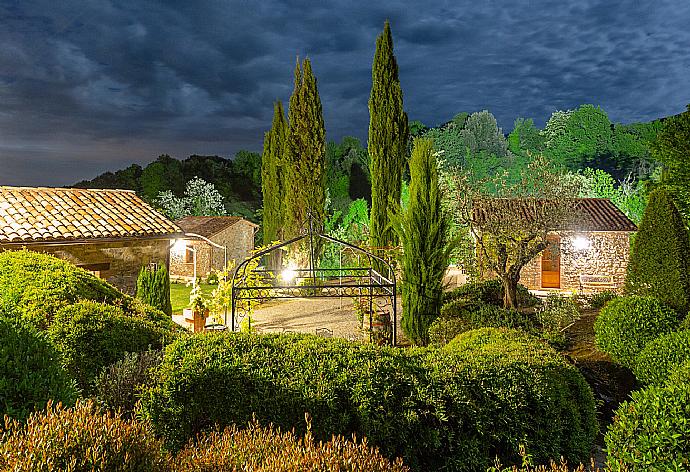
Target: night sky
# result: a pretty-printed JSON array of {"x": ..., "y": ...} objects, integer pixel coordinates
[{"x": 90, "y": 86}]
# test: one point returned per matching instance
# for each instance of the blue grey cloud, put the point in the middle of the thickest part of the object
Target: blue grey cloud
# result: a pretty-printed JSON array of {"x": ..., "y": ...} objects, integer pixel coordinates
[{"x": 93, "y": 86}]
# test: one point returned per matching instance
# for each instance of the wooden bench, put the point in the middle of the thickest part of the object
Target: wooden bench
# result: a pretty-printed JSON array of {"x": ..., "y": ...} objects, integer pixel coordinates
[{"x": 597, "y": 282}]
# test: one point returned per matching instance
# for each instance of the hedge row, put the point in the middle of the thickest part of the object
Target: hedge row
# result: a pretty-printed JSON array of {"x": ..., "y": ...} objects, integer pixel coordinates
[{"x": 458, "y": 407}]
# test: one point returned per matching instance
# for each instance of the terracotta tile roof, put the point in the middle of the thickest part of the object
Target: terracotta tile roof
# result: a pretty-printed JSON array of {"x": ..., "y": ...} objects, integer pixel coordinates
[
  {"x": 595, "y": 214},
  {"x": 207, "y": 226},
  {"x": 41, "y": 214}
]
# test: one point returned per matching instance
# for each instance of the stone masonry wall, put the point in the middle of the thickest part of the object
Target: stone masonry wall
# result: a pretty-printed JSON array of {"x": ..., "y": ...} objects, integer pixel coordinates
[
  {"x": 608, "y": 254},
  {"x": 123, "y": 259}
]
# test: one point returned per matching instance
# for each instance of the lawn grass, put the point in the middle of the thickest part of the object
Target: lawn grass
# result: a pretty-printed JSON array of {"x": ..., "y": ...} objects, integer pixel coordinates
[{"x": 179, "y": 295}]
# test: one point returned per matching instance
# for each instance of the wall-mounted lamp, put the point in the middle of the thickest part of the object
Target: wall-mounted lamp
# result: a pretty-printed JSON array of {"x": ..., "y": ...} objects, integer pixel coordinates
[{"x": 581, "y": 243}]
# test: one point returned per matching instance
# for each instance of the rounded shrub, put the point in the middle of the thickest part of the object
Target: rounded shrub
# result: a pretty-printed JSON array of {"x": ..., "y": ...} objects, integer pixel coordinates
[
  {"x": 626, "y": 324},
  {"x": 80, "y": 439},
  {"x": 270, "y": 450},
  {"x": 504, "y": 389},
  {"x": 662, "y": 356},
  {"x": 31, "y": 372},
  {"x": 650, "y": 432},
  {"x": 91, "y": 336}
]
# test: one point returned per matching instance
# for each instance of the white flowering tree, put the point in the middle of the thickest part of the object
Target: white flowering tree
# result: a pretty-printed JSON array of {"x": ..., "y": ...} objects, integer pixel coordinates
[{"x": 200, "y": 199}]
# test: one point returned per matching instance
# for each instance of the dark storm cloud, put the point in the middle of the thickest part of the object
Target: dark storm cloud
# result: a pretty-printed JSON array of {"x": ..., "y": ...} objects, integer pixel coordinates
[{"x": 91, "y": 86}]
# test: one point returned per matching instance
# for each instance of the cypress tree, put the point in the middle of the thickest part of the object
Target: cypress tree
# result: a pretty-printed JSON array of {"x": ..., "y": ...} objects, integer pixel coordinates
[
  {"x": 424, "y": 232},
  {"x": 272, "y": 184},
  {"x": 305, "y": 152},
  {"x": 388, "y": 135},
  {"x": 659, "y": 264},
  {"x": 153, "y": 288}
]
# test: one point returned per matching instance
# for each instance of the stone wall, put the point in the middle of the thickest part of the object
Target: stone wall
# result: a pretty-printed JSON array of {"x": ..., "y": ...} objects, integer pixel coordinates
[
  {"x": 607, "y": 255},
  {"x": 118, "y": 263},
  {"x": 238, "y": 238}
]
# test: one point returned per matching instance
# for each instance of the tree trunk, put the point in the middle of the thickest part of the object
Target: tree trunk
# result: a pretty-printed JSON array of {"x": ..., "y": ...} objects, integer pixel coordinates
[{"x": 510, "y": 284}]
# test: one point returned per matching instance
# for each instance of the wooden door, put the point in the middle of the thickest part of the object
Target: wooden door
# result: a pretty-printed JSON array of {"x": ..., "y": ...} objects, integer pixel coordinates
[{"x": 551, "y": 264}]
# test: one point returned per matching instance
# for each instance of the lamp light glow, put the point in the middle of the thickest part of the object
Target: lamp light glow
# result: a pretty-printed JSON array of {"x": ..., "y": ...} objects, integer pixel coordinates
[
  {"x": 580, "y": 243},
  {"x": 179, "y": 247},
  {"x": 289, "y": 273}
]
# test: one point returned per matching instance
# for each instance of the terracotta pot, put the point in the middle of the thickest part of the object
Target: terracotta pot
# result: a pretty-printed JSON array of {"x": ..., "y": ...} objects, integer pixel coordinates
[{"x": 200, "y": 320}]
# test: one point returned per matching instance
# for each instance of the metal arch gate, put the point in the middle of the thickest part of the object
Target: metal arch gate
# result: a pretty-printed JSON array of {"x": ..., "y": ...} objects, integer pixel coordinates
[{"x": 365, "y": 282}]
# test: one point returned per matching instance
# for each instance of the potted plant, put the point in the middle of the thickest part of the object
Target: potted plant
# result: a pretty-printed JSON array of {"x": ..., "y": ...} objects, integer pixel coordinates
[{"x": 199, "y": 308}]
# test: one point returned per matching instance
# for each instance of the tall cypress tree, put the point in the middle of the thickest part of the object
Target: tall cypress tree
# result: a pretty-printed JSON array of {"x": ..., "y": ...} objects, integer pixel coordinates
[
  {"x": 659, "y": 263},
  {"x": 424, "y": 231},
  {"x": 388, "y": 135},
  {"x": 305, "y": 152},
  {"x": 272, "y": 183}
]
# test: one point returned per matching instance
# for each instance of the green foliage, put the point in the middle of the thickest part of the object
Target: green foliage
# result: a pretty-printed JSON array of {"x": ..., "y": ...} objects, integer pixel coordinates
[
  {"x": 30, "y": 371},
  {"x": 490, "y": 292},
  {"x": 628, "y": 195},
  {"x": 433, "y": 408},
  {"x": 118, "y": 386},
  {"x": 525, "y": 137},
  {"x": 80, "y": 439},
  {"x": 305, "y": 175},
  {"x": 503, "y": 389},
  {"x": 555, "y": 314},
  {"x": 650, "y": 432},
  {"x": 424, "y": 232},
  {"x": 90, "y": 336},
  {"x": 34, "y": 285},
  {"x": 353, "y": 227},
  {"x": 153, "y": 288},
  {"x": 260, "y": 449},
  {"x": 672, "y": 149},
  {"x": 165, "y": 173},
  {"x": 660, "y": 261},
  {"x": 661, "y": 356},
  {"x": 388, "y": 138},
  {"x": 600, "y": 299},
  {"x": 626, "y": 324},
  {"x": 272, "y": 177}
]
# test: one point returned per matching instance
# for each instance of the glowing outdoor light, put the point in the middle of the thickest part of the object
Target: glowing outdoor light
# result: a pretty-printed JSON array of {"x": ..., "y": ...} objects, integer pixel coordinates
[
  {"x": 580, "y": 243},
  {"x": 289, "y": 273},
  {"x": 179, "y": 247}
]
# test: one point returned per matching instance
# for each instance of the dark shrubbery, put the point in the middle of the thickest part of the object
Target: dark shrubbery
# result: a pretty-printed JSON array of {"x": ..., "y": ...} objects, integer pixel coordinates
[
  {"x": 91, "y": 336},
  {"x": 118, "y": 387},
  {"x": 660, "y": 259},
  {"x": 503, "y": 388},
  {"x": 489, "y": 292},
  {"x": 270, "y": 450},
  {"x": 662, "y": 356},
  {"x": 81, "y": 439},
  {"x": 34, "y": 285},
  {"x": 599, "y": 299},
  {"x": 626, "y": 324},
  {"x": 153, "y": 288},
  {"x": 650, "y": 432},
  {"x": 30, "y": 371},
  {"x": 455, "y": 407}
]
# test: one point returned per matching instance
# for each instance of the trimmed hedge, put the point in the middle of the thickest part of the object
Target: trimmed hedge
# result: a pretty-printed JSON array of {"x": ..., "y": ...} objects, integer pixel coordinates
[
  {"x": 430, "y": 407},
  {"x": 662, "y": 356},
  {"x": 489, "y": 292},
  {"x": 31, "y": 372},
  {"x": 626, "y": 324},
  {"x": 81, "y": 439},
  {"x": 650, "y": 432},
  {"x": 91, "y": 336},
  {"x": 502, "y": 389},
  {"x": 269, "y": 450}
]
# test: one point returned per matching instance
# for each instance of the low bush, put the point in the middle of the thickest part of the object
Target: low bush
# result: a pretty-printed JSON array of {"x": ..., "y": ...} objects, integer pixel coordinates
[
  {"x": 555, "y": 314},
  {"x": 31, "y": 372},
  {"x": 118, "y": 387},
  {"x": 91, "y": 336},
  {"x": 489, "y": 292},
  {"x": 79, "y": 439},
  {"x": 599, "y": 299},
  {"x": 459, "y": 315},
  {"x": 270, "y": 450},
  {"x": 34, "y": 286},
  {"x": 456, "y": 408},
  {"x": 502, "y": 389},
  {"x": 662, "y": 356},
  {"x": 650, "y": 432},
  {"x": 626, "y": 324}
]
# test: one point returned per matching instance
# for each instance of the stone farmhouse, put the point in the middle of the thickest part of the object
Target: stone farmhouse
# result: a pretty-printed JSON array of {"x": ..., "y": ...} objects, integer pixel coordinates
[
  {"x": 591, "y": 254},
  {"x": 111, "y": 233},
  {"x": 210, "y": 241}
]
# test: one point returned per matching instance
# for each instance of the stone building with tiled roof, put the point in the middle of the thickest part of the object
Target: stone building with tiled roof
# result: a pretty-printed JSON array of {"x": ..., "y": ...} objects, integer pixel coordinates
[
  {"x": 209, "y": 241},
  {"x": 590, "y": 254},
  {"x": 112, "y": 233}
]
